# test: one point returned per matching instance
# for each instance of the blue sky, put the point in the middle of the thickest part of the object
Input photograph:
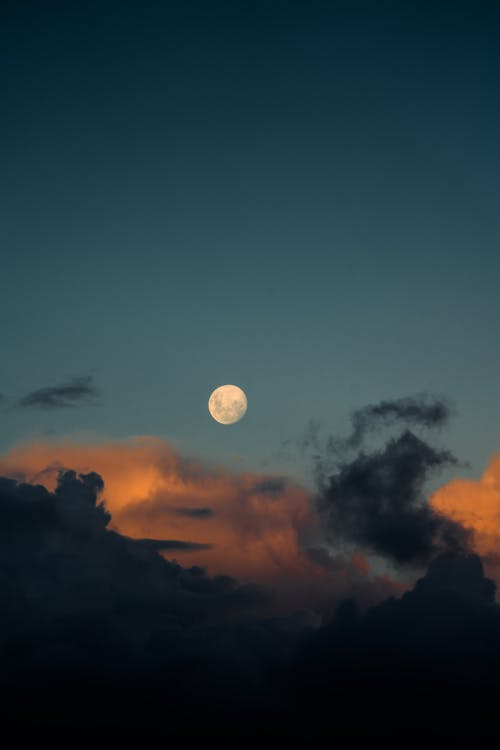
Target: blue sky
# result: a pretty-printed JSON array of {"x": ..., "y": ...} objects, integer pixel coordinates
[{"x": 299, "y": 198}]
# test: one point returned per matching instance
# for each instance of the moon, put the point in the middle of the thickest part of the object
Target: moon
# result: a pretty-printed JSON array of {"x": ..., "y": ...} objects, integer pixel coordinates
[{"x": 227, "y": 404}]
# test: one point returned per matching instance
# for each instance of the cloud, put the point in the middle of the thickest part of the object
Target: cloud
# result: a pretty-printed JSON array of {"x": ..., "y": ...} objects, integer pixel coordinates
[
  {"x": 89, "y": 613},
  {"x": 64, "y": 560},
  {"x": 376, "y": 500},
  {"x": 424, "y": 410},
  {"x": 194, "y": 512},
  {"x": 74, "y": 392},
  {"x": 257, "y": 527},
  {"x": 475, "y": 504},
  {"x": 99, "y": 630},
  {"x": 427, "y": 660},
  {"x": 420, "y": 411},
  {"x": 375, "y": 497},
  {"x": 272, "y": 486},
  {"x": 169, "y": 545}
]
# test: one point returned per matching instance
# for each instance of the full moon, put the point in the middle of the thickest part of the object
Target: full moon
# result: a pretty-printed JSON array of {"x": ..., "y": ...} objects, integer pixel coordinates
[{"x": 227, "y": 404}]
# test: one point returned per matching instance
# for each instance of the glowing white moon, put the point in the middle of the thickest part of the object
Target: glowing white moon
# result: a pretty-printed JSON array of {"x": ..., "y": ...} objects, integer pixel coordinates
[{"x": 227, "y": 404}]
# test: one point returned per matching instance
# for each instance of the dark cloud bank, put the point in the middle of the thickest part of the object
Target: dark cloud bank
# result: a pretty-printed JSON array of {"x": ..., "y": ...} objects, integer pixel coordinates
[{"x": 100, "y": 632}]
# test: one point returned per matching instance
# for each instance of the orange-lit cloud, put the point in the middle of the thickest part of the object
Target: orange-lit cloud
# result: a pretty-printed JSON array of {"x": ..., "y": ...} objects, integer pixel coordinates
[
  {"x": 476, "y": 505},
  {"x": 256, "y": 524}
]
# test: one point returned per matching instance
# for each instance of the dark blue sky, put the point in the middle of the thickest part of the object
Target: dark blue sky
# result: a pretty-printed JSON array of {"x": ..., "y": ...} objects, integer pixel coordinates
[{"x": 297, "y": 197}]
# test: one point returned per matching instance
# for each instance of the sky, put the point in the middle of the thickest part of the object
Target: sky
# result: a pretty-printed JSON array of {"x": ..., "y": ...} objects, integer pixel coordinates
[{"x": 299, "y": 198}]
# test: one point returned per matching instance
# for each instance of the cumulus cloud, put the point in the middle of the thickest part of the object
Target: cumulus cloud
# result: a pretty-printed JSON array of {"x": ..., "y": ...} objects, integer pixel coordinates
[
  {"x": 476, "y": 505},
  {"x": 99, "y": 630},
  {"x": 63, "y": 559},
  {"x": 258, "y": 527},
  {"x": 81, "y": 602},
  {"x": 102, "y": 629},
  {"x": 429, "y": 658},
  {"x": 74, "y": 392}
]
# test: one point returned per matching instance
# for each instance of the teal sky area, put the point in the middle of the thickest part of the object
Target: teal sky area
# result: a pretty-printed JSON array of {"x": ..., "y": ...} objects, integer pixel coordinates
[{"x": 301, "y": 198}]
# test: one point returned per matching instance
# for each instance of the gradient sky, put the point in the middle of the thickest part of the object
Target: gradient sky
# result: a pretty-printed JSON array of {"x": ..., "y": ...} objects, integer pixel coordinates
[{"x": 297, "y": 197}]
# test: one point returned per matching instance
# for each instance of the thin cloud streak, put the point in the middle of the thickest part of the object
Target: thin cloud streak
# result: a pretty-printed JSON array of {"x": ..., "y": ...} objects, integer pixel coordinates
[{"x": 79, "y": 391}]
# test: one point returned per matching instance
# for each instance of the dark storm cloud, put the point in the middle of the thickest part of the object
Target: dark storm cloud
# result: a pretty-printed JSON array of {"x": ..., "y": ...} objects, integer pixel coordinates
[
  {"x": 421, "y": 659},
  {"x": 92, "y": 619},
  {"x": 79, "y": 599},
  {"x": 83, "y": 605},
  {"x": 59, "y": 545},
  {"x": 375, "y": 497},
  {"x": 376, "y": 500},
  {"x": 75, "y": 392}
]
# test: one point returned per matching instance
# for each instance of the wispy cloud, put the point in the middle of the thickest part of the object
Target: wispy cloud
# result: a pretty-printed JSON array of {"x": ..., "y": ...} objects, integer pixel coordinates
[
  {"x": 74, "y": 392},
  {"x": 194, "y": 512},
  {"x": 273, "y": 486},
  {"x": 165, "y": 545}
]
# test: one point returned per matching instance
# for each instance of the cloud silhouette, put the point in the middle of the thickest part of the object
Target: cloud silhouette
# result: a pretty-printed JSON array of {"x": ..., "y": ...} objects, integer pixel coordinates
[
  {"x": 254, "y": 522},
  {"x": 92, "y": 618},
  {"x": 376, "y": 500},
  {"x": 427, "y": 660},
  {"x": 100, "y": 630},
  {"x": 63, "y": 560},
  {"x": 424, "y": 410},
  {"x": 374, "y": 497},
  {"x": 74, "y": 392},
  {"x": 81, "y": 603}
]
